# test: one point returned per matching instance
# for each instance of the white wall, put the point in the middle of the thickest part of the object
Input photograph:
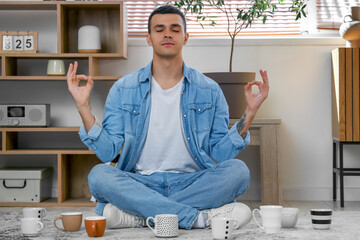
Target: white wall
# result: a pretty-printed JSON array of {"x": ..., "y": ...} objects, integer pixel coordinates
[{"x": 300, "y": 81}]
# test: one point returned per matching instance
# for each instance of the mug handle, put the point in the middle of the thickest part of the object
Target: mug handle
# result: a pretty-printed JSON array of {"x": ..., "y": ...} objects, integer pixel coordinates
[
  {"x": 147, "y": 223},
  {"x": 60, "y": 217},
  {"x": 344, "y": 20},
  {"x": 41, "y": 226},
  {"x": 253, "y": 213}
]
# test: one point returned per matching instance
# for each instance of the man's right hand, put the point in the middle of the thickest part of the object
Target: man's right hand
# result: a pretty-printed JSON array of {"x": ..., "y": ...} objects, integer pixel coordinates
[{"x": 81, "y": 94}]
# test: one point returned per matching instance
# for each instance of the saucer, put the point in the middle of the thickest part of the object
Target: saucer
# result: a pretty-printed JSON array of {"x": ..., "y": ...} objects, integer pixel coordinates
[{"x": 30, "y": 234}]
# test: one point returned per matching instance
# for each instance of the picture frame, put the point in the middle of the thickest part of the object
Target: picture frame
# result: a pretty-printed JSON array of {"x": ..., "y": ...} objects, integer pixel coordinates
[{"x": 18, "y": 42}]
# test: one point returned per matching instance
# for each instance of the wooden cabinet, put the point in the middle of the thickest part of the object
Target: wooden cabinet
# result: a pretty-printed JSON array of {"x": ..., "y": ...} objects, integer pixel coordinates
[
  {"x": 345, "y": 94},
  {"x": 71, "y": 159}
]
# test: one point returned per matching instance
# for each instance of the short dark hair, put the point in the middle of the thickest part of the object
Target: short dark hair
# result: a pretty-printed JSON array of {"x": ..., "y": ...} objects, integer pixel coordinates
[{"x": 166, "y": 9}]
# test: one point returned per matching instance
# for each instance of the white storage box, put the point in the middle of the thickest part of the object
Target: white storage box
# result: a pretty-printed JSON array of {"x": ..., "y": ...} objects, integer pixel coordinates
[{"x": 25, "y": 184}]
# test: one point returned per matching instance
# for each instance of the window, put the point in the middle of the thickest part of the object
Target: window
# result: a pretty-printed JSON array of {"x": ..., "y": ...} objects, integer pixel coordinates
[
  {"x": 283, "y": 22},
  {"x": 331, "y": 13}
]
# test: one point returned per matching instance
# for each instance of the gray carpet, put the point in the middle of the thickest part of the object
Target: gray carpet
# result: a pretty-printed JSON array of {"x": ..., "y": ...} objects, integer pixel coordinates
[{"x": 345, "y": 225}]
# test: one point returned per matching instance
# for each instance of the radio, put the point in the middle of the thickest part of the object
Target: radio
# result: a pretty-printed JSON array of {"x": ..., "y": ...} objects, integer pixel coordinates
[{"x": 25, "y": 115}]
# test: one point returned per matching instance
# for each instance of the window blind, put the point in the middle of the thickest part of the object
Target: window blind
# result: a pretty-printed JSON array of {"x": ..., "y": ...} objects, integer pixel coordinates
[
  {"x": 331, "y": 13},
  {"x": 283, "y": 22}
]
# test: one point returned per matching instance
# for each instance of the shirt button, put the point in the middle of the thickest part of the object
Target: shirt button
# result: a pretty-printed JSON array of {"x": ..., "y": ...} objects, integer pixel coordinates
[
  {"x": 184, "y": 115},
  {"x": 182, "y": 93},
  {"x": 195, "y": 158},
  {"x": 134, "y": 111},
  {"x": 188, "y": 138},
  {"x": 199, "y": 109}
]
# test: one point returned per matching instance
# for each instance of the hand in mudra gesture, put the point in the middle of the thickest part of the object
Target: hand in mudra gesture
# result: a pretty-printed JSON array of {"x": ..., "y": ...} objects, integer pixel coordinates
[
  {"x": 254, "y": 100},
  {"x": 81, "y": 94}
]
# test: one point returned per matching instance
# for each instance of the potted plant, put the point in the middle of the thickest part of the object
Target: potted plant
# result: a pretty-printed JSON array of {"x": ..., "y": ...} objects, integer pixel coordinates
[{"x": 238, "y": 17}]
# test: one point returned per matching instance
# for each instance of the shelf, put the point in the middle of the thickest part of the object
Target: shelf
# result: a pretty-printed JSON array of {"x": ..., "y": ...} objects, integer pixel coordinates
[
  {"x": 63, "y": 55},
  {"x": 50, "y": 202},
  {"x": 56, "y": 78}
]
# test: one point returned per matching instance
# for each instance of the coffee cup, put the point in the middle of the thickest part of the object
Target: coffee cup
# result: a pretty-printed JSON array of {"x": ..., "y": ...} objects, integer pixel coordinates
[
  {"x": 71, "y": 221},
  {"x": 289, "y": 217},
  {"x": 321, "y": 218},
  {"x": 166, "y": 225},
  {"x": 271, "y": 218},
  {"x": 222, "y": 227},
  {"x": 95, "y": 226},
  {"x": 34, "y": 212},
  {"x": 56, "y": 67},
  {"x": 31, "y": 227}
]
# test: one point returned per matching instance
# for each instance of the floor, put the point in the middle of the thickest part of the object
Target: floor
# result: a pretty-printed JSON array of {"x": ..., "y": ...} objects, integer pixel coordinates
[{"x": 341, "y": 229}]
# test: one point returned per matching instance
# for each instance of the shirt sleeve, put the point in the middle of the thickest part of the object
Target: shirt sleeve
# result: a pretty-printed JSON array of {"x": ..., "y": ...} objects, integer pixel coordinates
[
  {"x": 225, "y": 144},
  {"x": 107, "y": 139}
]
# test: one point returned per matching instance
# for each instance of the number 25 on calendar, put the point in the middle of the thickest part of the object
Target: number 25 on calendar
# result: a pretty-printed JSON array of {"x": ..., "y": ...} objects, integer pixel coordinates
[{"x": 18, "y": 42}]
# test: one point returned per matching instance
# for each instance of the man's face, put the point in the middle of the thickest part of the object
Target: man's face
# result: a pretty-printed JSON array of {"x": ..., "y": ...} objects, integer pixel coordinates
[{"x": 167, "y": 35}]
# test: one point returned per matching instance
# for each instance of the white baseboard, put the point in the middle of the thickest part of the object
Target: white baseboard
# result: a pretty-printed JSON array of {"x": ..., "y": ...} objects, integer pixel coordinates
[{"x": 320, "y": 194}]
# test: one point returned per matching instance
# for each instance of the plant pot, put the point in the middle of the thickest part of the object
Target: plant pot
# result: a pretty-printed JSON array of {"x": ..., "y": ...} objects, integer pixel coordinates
[{"x": 232, "y": 85}]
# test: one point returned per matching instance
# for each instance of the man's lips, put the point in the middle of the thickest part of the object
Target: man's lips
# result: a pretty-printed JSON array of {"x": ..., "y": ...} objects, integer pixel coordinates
[{"x": 167, "y": 44}]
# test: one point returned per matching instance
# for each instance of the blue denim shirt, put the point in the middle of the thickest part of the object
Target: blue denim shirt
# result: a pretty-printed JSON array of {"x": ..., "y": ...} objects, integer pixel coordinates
[{"x": 205, "y": 116}]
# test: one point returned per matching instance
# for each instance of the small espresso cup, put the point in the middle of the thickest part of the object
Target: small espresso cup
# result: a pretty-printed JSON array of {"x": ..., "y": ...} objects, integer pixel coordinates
[
  {"x": 166, "y": 225},
  {"x": 56, "y": 67},
  {"x": 34, "y": 212},
  {"x": 222, "y": 227},
  {"x": 321, "y": 218},
  {"x": 271, "y": 218},
  {"x": 31, "y": 227},
  {"x": 70, "y": 220},
  {"x": 95, "y": 226}
]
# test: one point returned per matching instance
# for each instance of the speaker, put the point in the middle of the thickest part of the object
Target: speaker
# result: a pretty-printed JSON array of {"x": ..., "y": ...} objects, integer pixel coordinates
[{"x": 32, "y": 115}]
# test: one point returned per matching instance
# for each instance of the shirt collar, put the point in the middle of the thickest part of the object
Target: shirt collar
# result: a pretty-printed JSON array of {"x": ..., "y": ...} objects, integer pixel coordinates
[{"x": 147, "y": 75}]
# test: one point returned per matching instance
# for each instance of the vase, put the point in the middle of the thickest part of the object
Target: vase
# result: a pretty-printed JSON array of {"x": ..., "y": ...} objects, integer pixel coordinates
[
  {"x": 350, "y": 31},
  {"x": 232, "y": 85}
]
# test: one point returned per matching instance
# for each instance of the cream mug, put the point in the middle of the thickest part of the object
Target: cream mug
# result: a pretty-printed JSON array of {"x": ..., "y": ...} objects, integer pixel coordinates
[{"x": 56, "y": 67}]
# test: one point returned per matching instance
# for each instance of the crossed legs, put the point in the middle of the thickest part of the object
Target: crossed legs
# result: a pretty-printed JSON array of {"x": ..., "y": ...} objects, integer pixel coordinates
[{"x": 183, "y": 194}]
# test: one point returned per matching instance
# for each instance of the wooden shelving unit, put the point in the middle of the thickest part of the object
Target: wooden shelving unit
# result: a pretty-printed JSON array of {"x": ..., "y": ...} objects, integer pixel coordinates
[{"x": 73, "y": 160}]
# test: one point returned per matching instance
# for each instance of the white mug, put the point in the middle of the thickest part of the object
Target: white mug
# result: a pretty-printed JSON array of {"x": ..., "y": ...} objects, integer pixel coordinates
[
  {"x": 31, "y": 226},
  {"x": 271, "y": 218},
  {"x": 222, "y": 227},
  {"x": 34, "y": 212},
  {"x": 166, "y": 225}
]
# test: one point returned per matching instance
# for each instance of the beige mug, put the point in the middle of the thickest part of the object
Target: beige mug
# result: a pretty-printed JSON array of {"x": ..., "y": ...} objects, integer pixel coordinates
[
  {"x": 56, "y": 67},
  {"x": 71, "y": 221}
]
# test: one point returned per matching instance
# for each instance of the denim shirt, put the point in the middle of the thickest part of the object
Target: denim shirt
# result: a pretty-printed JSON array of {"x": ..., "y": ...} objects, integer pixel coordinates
[{"x": 205, "y": 117}]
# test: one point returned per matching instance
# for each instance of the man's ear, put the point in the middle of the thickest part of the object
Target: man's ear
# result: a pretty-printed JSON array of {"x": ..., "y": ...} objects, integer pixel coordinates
[
  {"x": 148, "y": 39},
  {"x": 186, "y": 38}
]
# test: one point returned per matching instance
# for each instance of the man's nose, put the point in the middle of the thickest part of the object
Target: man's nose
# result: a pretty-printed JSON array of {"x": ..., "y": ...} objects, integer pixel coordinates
[{"x": 168, "y": 34}]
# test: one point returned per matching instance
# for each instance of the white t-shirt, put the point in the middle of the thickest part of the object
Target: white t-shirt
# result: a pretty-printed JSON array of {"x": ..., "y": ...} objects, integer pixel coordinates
[{"x": 165, "y": 148}]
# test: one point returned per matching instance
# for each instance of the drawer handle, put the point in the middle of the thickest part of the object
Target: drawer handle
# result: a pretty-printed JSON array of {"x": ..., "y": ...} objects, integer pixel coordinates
[{"x": 14, "y": 187}]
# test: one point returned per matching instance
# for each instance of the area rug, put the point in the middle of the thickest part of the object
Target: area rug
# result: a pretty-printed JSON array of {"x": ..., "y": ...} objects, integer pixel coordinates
[{"x": 345, "y": 225}]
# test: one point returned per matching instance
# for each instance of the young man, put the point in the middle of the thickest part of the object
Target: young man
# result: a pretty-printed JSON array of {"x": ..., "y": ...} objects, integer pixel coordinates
[{"x": 169, "y": 122}]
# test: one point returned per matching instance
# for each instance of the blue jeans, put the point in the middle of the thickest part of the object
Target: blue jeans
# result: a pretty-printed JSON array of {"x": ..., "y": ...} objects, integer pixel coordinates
[{"x": 183, "y": 194}]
